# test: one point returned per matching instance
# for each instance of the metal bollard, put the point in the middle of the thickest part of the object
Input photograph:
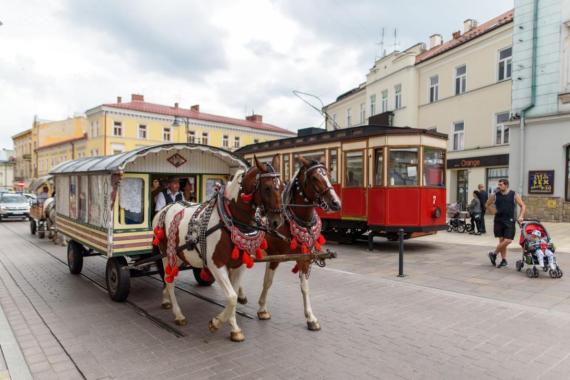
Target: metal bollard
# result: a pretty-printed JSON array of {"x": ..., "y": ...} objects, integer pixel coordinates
[{"x": 401, "y": 255}]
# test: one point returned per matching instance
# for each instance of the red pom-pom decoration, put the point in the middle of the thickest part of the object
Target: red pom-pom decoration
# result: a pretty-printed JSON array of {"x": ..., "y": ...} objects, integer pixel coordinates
[
  {"x": 159, "y": 235},
  {"x": 321, "y": 240},
  {"x": 168, "y": 270},
  {"x": 174, "y": 272},
  {"x": 258, "y": 254},
  {"x": 246, "y": 197},
  {"x": 295, "y": 268},
  {"x": 246, "y": 259},
  {"x": 293, "y": 244},
  {"x": 264, "y": 244},
  {"x": 318, "y": 247},
  {"x": 169, "y": 279},
  {"x": 304, "y": 249},
  {"x": 235, "y": 253},
  {"x": 205, "y": 275}
]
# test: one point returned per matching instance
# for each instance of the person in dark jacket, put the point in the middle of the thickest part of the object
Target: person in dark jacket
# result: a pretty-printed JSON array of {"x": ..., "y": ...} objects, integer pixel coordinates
[
  {"x": 483, "y": 198},
  {"x": 475, "y": 211}
]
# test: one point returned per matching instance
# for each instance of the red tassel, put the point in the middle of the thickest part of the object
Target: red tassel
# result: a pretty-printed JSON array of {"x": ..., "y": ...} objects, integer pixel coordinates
[
  {"x": 318, "y": 246},
  {"x": 235, "y": 253},
  {"x": 258, "y": 254},
  {"x": 169, "y": 279},
  {"x": 321, "y": 240},
  {"x": 293, "y": 244},
  {"x": 205, "y": 275},
  {"x": 159, "y": 235},
  {"x": 246, "y": 259},
  {"x": 168, "y": 270},
  {"x": 264, "y": 244},
  {"x": 174, "y": 272},
  {"x": 304, "y": 249},
  {"x": 295, "y": 268},
  {"x": 246, "y": 197}
]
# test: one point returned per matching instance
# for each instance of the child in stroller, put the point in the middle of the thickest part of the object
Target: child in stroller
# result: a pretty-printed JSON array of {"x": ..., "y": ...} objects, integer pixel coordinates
[{"x": 537, "y": 245}]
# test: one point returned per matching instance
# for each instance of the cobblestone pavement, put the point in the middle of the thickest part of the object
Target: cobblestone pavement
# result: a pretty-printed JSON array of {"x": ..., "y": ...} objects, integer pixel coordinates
[{"x": 453, "y": 316}]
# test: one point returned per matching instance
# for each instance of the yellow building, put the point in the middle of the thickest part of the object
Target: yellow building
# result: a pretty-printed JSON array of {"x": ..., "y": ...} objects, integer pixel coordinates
[
  {"x": 49, "y": 155},
  {"x": 123, "y": 126},
  {"x": 23, "y": 156}
]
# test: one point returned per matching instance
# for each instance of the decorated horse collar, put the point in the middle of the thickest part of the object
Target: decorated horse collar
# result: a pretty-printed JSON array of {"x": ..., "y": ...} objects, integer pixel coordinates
[{"x": 271, "y": 174}]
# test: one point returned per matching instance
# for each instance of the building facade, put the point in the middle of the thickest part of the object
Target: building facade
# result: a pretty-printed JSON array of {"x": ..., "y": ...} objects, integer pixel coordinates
[
  {"x": 460, "y": 87},
  {"x": 540, "y": 133},
  {"x": 23, "y": 156},
  {"x": 7, "y": 164}
]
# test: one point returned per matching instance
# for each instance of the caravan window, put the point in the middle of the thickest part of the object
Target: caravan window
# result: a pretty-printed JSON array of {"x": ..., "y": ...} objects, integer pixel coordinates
[
  {"x": 131, "y": 201},
  {"x": 73, "y": 197},
  {"x": 83, "y": 191}
]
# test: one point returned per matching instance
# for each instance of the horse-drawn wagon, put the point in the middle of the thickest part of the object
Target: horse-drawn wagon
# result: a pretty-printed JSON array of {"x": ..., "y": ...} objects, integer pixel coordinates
[
  {"x": 41, "y": 216},
  {"x": 105, "y": 204}
]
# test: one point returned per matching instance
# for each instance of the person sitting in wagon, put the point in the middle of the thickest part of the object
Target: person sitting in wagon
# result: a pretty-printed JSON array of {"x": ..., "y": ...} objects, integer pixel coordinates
[
  {"x": 169, "y": 195},
  {"x": 43, "y": 195}
]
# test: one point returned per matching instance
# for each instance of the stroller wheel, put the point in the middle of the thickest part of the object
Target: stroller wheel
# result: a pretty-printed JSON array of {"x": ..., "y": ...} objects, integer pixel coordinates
[
  {"x": 461, "y": 228},
  {"x": 553, "y": 273},
  {"x": 535, "y": 271},
  {"x": 449, "y": 228},
  {"x": 545, "y": 268},
  {"x": 519, "y": 265},
  {"x": 529, "y": 273},
  {"x": 560, "y": 273}
]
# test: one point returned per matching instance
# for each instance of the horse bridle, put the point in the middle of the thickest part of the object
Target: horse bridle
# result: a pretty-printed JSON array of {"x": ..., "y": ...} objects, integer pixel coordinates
[
  {"x": 318, "y": 200},
  {"x": 276, "y": 182}
]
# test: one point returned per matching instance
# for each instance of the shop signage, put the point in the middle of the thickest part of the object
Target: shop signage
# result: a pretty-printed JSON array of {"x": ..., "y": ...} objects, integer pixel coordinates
[
  {"x": 475, "y": 162},
  {"x": 541, "y": 182}
]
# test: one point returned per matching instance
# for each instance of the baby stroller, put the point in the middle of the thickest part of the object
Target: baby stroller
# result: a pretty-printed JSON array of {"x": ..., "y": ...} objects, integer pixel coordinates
[
  {"x": 457, "y": 219},
  {"x": 529, "y": 256}
]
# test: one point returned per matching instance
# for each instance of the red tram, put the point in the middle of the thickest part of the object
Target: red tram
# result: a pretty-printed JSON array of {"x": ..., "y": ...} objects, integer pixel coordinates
[{"x": 388, "y": 178}]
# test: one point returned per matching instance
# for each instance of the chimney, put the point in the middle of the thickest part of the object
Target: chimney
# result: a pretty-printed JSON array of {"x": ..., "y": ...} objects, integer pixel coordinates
[
  {"x": 195, "y": 107},
  {"x": 137, "y": 98},
  {"x": 435, "y": 40},
  {"x": 456, "y": 35},
  {"x": 469, "y": 25},
  {"x": 119, "y": 99},
  {"x": 176, "y": 105},
  {"x": 254, "y": 118}
]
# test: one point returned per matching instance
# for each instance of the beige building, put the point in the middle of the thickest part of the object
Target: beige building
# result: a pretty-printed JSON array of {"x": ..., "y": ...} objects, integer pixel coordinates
[
  {"x": 23, "y": 156},
  {"x": 460, "y": 87},
  {"x": 7, "y": 163}
]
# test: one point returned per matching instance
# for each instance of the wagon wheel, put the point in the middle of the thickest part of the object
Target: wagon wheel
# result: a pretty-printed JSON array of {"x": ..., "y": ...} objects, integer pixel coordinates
[
  {"x": 75, "y": 257},
  {"x": 196, "y": 272},
  {"x": 118, "y": 278},
  {"x": 33, "y": 227},
  {"x": 42, "y": 230}
]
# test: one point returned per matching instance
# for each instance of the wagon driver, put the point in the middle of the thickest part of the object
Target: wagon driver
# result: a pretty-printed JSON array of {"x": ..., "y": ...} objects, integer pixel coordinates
[{"x": 169, "y": 195}]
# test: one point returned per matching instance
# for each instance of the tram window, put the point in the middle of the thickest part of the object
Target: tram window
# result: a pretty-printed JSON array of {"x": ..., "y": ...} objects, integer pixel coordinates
[
  {"x": 354, "y": 169},
  {"x": 333, "y": 165},
  {"x": 310, "y": 156},
  {"x": 434, "y": 167},
  {"x": 131, "y": 201},
  {"x": 83, "y": 188},
  {"x": 403, "y": 167},
  {"x": 379, "y": 167},
  {"x": 73, "y": 197},
  {"x": 286, "y": 168}
]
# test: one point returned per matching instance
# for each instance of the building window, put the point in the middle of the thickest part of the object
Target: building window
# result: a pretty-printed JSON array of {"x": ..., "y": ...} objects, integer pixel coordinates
[
  {"x": 493, "y": 177},
  {"x": 348, "y": 117},
  {"x": 117, "y": 128},
  {"x": 166, "y": 134},
  {"x": 398, "y": 96},
  {"x": 502, "y": 131},
  {"x": 505, "y": 63},
  {"x": 362, "y": 112},
  {"x": 384, "y": 100},
  {"x": 372, "y": 105},
  {"x": 205, "y": 138},
  {"x": 458, "y": 133},
  {"x": 334, "y": 121},
  {"x": 236, "y": 142},
  {"x": 225, "y": 141},
  {"x": 434, "y": 88},
  {"x": 191, "y": 137},
  {"x": 460, "y": 79},
  {"x": 142, "y": 131}
]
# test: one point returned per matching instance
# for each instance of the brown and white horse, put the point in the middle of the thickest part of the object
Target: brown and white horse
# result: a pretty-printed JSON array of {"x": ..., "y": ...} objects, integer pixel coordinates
[
  {"x": 310, "y": 188},
  {"x": 50, "y": 215},
  {"x": 232, "y": 235}
]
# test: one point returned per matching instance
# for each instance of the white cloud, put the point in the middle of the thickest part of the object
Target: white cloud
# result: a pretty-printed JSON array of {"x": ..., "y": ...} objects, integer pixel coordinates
[{"x": 60, "y": 57}]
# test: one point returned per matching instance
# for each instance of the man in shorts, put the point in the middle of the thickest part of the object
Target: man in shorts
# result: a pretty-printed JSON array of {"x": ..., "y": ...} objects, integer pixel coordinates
[{"x": 505, "y": 201}]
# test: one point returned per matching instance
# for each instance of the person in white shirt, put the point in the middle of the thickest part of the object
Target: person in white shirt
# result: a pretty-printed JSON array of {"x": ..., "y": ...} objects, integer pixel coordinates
[{"x": 169, "y": 195}]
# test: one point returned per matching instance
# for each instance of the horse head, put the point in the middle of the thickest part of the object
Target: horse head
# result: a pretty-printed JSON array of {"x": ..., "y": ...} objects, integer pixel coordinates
[
  {"x": 263, "y": 185},
  {"x": 314, "y": 182}
]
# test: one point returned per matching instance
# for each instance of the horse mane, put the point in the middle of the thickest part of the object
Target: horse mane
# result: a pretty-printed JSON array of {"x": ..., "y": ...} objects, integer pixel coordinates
[{"x": 232, "y": 189}]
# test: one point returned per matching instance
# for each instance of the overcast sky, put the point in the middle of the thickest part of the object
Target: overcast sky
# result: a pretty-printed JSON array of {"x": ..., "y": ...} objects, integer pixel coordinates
[{"x": 62, "y": 57}]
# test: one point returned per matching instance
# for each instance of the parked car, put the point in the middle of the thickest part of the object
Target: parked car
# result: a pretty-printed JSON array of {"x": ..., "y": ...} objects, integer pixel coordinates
[
  {"x": 31, "y": 197},
  {"x": 14, "y": 206}
]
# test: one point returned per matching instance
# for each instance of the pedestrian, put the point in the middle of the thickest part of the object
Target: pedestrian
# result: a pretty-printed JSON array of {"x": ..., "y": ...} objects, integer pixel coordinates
[
  {"x": 169, "y": 195},
  {"x": 475, "y": 211},
  {"x": 483, "y": 198},
  {"x": 505, "y": 201}
]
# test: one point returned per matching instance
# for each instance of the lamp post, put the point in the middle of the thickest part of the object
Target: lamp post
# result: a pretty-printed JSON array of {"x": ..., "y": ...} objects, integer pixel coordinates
[{"x": 178, "y": 120}]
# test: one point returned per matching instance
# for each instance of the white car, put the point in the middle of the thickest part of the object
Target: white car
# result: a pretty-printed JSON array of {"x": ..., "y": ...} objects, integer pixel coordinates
[{"x": 14, "y": 206}]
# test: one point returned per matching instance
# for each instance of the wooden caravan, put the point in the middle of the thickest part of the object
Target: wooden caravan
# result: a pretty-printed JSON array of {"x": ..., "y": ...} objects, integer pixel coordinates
[
  {"x": 388, "y": 178},
  {"x": 105, "y": 204}
]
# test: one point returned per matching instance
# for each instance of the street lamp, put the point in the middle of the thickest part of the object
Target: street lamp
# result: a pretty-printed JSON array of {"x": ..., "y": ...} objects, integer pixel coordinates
[{"x": 178, "y": 121}]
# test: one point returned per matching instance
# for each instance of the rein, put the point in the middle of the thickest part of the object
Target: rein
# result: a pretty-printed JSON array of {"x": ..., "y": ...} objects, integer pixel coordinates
[{"x": 317, "y": 202}]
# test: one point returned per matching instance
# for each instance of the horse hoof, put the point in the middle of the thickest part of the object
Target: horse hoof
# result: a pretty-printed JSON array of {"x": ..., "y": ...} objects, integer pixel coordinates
[
  {"x": 243, "y": 300},
  {"x": 166, "y": 305},
  {"x": 212, "y": 327},
  {"x": 313, "y": 325},
  {"x": 264, "y": 315},
  {"x": 237, "y": 336},
  {"x": 181, "y": 322}
]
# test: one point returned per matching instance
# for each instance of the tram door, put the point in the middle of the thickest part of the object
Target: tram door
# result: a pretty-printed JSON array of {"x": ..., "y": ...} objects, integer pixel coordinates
[{"x": 462, "y": 186}]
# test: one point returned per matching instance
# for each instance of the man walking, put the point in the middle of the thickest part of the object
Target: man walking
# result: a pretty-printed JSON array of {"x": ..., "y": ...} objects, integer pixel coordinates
[
  {"x": 504, "y": 224},
  {"x": 483, "y": 197}
]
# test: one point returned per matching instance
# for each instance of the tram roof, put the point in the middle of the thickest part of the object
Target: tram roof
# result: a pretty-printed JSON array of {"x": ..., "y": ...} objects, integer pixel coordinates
[
  {"x": 118, "y": 162},
  {"x": 337, "y": 135}
]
